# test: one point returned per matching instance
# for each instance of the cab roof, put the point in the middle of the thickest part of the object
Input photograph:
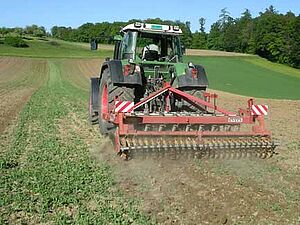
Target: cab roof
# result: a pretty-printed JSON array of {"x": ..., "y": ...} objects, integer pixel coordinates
[{"x": 153, "y": 28}]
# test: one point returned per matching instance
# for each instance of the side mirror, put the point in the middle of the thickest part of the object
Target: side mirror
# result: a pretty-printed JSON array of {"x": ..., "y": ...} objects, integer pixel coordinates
[{"x": 117, "y": 38}]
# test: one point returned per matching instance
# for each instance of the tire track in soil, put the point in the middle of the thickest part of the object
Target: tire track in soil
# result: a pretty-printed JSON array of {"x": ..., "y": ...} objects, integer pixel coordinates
[{"x": 19, "y": 78}]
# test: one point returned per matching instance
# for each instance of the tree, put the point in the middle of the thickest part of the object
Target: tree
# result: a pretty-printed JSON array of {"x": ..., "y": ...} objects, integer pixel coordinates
[
  {"x": 245, "y": 28},
  {"x": 202, "y": 25},
  {"x": 187, "y": 37},
  {"x": 35, "y": 30},
  {"x": 224, "y": 33},
  {"x": 214, "y": 38},
  {"x": 200, "y": 38},
  {"x": 225, "y": 17},
  {"x": 268, "y": 34}
]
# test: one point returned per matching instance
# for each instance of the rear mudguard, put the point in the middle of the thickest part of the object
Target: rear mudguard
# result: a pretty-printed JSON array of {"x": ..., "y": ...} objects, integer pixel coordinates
[
  {"x": 116, "y": 72},
  {"x": 188, "y": 81},
  {"x": 94, "y": 95}
]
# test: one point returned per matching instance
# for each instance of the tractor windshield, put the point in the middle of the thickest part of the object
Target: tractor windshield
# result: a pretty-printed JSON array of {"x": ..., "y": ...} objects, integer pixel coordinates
[
  {"x": 151, "y": 47},
  {"x": 128, "y": 45}
]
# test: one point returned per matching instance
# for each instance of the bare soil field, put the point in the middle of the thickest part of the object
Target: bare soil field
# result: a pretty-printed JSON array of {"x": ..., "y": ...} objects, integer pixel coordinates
[
  {"x": 19, "y": 78},
  {"x": 79, "y": 71},
  {"x": 202, "y": 52},
  {"x": 244, "y": 191}
]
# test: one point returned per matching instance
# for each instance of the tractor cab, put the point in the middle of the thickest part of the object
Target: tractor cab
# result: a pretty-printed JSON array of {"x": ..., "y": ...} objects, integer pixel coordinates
[{"x": 149, "y": 42}]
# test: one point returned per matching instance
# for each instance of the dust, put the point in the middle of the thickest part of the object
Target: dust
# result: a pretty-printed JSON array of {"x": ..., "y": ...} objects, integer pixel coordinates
[
  {"x": 283, "y": 121},
  {"x": 186, "y": 191},
  {"x": 215, "y": 191},
  {"x": 103, "y": 151}
]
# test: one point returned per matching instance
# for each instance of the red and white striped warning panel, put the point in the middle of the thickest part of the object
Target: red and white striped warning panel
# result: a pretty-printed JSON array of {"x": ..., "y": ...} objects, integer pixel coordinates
[
  {"x": 123, "y": 106},
  {"x": 259, "y": 110}
]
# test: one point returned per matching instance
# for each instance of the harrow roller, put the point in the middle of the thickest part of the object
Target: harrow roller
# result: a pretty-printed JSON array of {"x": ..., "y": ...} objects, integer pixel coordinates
[{"x": 176, "y": 147}]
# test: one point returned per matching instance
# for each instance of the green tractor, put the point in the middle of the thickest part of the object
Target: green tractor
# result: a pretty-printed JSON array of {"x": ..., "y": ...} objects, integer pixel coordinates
[
  {"x": 145, "y": 57},
  {"x": 150, "y": 100}
]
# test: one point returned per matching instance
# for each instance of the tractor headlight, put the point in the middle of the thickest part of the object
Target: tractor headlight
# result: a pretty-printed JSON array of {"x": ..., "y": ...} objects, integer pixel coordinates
[
  {"x": 137, "y": 24},
  {"x": 191, "y": 65},
  {"x": 176, "y": 28}
]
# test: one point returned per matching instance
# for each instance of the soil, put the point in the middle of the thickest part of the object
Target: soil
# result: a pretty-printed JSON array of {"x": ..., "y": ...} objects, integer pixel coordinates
[
  {"x": 283, "y": 121},
  {"x": 80, "y": 71},
  {"x": 19, "y": 78},
  {"x": 244, "y": 191},
  {"x": 219, "y": 191},
  {"x": 201, "y": 52}
]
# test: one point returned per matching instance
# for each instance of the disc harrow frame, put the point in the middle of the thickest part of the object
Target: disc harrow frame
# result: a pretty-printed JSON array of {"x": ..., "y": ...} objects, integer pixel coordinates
[{"x": 139, "y": 131}]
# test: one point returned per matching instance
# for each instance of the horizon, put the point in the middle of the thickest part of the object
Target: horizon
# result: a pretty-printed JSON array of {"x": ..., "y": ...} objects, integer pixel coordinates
[{"x": 57, "y": 13}]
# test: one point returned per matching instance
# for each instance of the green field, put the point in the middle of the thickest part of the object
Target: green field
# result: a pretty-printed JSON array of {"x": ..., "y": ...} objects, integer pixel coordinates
[
  {"x": 250, "y": 76},
  {"x": 52, "y": 48}
]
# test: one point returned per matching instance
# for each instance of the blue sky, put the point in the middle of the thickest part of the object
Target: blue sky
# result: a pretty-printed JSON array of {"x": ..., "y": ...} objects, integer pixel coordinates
[{"x": 74, "y": 13}]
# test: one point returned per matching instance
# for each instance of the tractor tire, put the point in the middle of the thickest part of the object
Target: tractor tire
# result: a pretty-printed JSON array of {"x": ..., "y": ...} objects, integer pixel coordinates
[
  {"x": 107, "y": 94},
  {"x": 93, "y": 117}
]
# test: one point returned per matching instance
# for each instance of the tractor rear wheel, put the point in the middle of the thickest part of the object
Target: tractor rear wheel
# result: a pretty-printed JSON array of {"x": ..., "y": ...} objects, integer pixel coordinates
[{"x": 107, "y": 94}]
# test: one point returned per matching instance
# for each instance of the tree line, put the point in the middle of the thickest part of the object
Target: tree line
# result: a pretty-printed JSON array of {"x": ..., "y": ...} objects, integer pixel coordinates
[
  {"x": 33, "y": 30},
  {"x": 271, "y": 35}
]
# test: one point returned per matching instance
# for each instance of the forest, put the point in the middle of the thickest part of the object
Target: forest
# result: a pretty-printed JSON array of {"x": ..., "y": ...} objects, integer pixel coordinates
[{"x": 271, "y": 35}]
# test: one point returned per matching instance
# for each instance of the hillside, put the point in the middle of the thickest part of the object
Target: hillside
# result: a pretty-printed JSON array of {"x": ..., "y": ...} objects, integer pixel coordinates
[
  {"x": 250, "y": 76},
  {"x": 231, "y": 72},
  {"x": 52, "y": 48}
]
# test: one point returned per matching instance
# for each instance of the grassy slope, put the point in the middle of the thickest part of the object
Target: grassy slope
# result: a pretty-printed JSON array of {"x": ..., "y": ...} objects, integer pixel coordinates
[
  {"x": 47, "y": 174},
  {"x": 46, "y": 49},
  {"x": 251, "y": 76}
]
